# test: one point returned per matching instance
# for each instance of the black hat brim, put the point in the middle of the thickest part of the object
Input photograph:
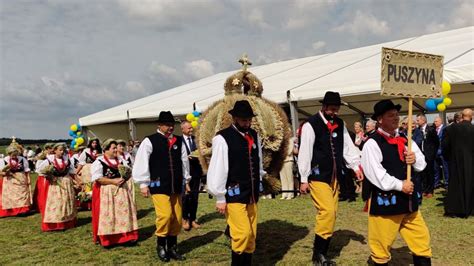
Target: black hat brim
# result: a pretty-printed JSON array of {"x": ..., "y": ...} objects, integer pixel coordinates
[
  {"x": 242, "y": 115},
  {"x": 397, "y": 107}
]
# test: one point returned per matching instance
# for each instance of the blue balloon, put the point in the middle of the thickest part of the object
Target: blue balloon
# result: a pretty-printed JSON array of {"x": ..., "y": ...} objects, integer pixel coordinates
[
  {"x": 78, "y": 127},
  {"x": 73, "y": 142},
  {"x": 430, "y": 105},
  {"x": 196, "y": 113},
  {"x": 71, "y": 133},
  {"x": 438, "y": 100}
]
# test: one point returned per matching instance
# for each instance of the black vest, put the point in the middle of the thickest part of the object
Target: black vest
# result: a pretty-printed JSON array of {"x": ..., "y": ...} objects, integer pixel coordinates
[
  {"x": 165, "y": 166},
  {"x": 391, "y": 202},
  {"x": 325, "y": 154},
  {"x": 244, "y": 168},
  {"x": 109, "y": 172},
  {"x": 89, "y": 158},
  {"x": 58, "y": 172}
]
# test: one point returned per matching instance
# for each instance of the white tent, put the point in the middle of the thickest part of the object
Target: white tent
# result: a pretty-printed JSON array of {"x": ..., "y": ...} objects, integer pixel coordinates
[{"x": 300, "y": 83}]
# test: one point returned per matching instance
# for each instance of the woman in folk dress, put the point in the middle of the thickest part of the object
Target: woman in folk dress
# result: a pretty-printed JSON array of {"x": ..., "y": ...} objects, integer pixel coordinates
[
  {"x": 39, "y": 198},
  {"x": 15, "y": 188},
  {"x": 114, "y": 214},
  {"x": 59, "y": 209},
  {"x": 87, "y": 157}
]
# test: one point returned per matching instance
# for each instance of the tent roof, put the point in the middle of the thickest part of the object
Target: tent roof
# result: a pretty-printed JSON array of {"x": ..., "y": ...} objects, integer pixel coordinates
[{"x": 354, "y": 73}]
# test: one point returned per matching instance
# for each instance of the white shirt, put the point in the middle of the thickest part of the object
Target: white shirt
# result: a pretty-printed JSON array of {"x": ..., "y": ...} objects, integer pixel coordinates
[
  {"x": 83, "y": 157},
  {"x": 20, "y": 159},
  {"x": 97, "y": 168},
  {"x": 374, "y": 171},
  {"x": 141, "y": 169},
  {"x": 351, "y": 153},
  {"x": 125, "y": 159},
  {"x": 219, "y": 167},
  {"x": 49, "y": 161}
]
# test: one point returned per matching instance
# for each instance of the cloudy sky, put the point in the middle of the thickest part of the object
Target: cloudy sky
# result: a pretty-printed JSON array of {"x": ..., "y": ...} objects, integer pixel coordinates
[{"x": 64, "y": 59}]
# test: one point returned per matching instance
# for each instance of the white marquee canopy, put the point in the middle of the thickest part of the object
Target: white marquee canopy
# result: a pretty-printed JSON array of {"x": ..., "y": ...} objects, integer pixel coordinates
[{"x": 354, "y": 73}]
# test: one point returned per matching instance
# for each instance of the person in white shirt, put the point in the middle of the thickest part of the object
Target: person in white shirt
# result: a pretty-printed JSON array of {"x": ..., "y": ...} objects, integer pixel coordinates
[
  {"x": 325, "y": 147},
  {"x": 15, "y": 187},
  {"x": 114, "y": 214},
  {"x": 234, "y": 177},
  {"x": 161, "y": 166},
  {"x": 59, "y": 205},
  {"x": 393, "y": 205}
]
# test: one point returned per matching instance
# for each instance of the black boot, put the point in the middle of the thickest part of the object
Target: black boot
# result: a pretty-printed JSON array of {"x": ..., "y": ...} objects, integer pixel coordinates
[
  {"x": 161, "y": 249},
  {"x": 173, "y": 248},
  {"x": 247, "y": 259},
  {"x": 237, "y": 259},
  {"x": 421, "y": 261},
  {"x": 320, "y": 248}
]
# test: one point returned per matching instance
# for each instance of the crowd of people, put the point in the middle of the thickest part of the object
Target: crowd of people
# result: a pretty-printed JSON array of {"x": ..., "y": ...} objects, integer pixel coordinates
[{"x": 332, "y": 164}]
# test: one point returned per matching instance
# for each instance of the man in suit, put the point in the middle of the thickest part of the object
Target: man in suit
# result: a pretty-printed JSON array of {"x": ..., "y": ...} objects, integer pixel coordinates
[
  {"x": 440, "y": 164},
  {"x": 426, "y": 138},
  {"x": 191, "y": 197},
  {"x": 458, "y": 149}
]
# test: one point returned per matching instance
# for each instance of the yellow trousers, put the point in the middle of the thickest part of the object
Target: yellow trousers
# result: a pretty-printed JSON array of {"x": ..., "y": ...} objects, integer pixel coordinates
[
  {"x": 383, "y": 231},
  {"x": 325, "y": 199},
  {"x": 242, "y": 220},
  {"x": 168, "y": 214}
]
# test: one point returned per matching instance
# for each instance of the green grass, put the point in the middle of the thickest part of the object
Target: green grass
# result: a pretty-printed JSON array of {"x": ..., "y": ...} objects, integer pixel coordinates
[{"x": 285, "y": 236}]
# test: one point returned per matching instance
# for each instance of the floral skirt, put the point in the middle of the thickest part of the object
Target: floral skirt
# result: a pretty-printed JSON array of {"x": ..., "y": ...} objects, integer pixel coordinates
[
  {"x": 15, "y": 195},
  {"x": 59, "y": 208}
]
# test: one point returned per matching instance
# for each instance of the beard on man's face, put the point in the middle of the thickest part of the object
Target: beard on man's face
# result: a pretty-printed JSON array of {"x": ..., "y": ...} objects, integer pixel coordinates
[{"x": 242, "y": 129}]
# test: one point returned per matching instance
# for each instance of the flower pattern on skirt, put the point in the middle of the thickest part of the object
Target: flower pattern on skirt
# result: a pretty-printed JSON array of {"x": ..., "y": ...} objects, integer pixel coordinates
[
  {"x": 15, "y": 191},
  {"x": 60, "y": 202},
  {"x": 118, "y": 214}
]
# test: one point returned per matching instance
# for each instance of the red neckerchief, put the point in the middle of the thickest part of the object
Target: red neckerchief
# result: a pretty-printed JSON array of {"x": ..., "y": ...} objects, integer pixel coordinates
[
  {"x": 93, "y": 154},
  {"x": 399, "y": 141},
  {"x": 56, "y": 165},
  {"x": 14, "y": 166},
  {"x": 250, "y": 141},
  {"x": 171, "y": 142},
  {"x": 331, "y": 127},
  {"x": 110, "y": 164}
]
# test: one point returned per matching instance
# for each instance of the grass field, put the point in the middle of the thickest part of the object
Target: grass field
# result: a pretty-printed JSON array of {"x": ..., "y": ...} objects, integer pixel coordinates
[{"x": 285, "y": 236}]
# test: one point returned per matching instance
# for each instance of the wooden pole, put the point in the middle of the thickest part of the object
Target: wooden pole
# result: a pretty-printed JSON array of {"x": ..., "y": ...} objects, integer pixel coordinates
[{"x": 409, "y": 132}]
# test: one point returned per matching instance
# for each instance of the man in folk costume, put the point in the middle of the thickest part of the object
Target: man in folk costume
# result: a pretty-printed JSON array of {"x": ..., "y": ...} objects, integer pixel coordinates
[
  {"x": 325, "y": 146},
  {"x": 392, "y": 206},
  {"x": 234, "y": 178},
  {"x": 161, "y": 166}
]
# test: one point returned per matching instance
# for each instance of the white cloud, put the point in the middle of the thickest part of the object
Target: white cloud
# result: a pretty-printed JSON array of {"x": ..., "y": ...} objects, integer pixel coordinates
[
  {"x": 318, "y": 45},
  {"x": 199, "y": 69},
  {"x": 170, "y": 13},
  {"x": 135, "y": 87},
  {"x": 461, "y": 16},
  {"x": 363, "y": 24},
  {"x": 254, "y": 16}
]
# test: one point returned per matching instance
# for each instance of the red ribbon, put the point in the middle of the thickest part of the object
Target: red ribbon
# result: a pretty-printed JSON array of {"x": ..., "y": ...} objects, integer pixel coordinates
[
  {"x": 171, "y": 142},
  {"x": 14, "y": 166},
  {"x": 249, "y": 141},
  {"x": 399, "y": 141},
  {"x": 109, "y": 163},
  {"x": 56, "y": 165},
  {"x": 331, "y": 127}
]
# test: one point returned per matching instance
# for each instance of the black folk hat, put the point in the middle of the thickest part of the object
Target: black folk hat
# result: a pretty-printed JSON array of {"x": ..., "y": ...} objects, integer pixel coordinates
[
  {"x": 383, "y": 106},
  {"x": 166, "y": 117},
  {"x": 332, "y": 98},
  {"x": 242, "y": 109}
]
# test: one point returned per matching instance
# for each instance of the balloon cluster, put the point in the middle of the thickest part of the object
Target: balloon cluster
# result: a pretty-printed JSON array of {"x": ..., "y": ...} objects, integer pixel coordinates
[
  {"x": 76, "y": 134},
  {"x": 440, "y": 103},
  {"x": 193, "y": 118}
]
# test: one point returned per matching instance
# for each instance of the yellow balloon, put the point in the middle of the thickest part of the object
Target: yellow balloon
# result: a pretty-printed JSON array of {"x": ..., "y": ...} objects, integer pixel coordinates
[
  {"x": 194, "y": 124},
  {"x": 196, "y": 118},
  {"x": 79, "y": 140},
  {"x": 73, "y": 127},
  {"x": 447, "y": 101},
  {"x": 446, "y": 87},
  {"x": 76, "y": 146},
  {"x": 441, "y": 107},
  {"x": 78, "y": 133},
  {"x": 190, "y": 117}
]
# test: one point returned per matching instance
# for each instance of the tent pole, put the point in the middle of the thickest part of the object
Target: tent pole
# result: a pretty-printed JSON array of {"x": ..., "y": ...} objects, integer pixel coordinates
[{"x": 293, "y": 113}]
